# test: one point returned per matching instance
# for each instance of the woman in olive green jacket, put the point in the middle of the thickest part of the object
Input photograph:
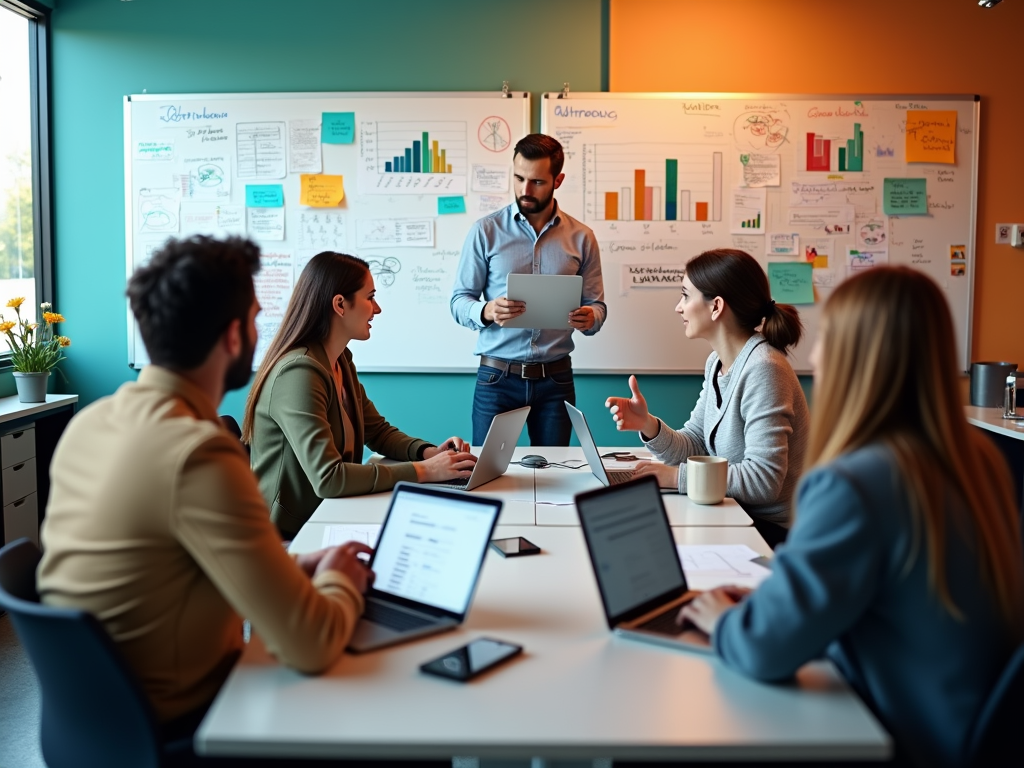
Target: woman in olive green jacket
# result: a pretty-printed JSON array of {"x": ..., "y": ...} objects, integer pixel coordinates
[{"x": 307, "y": 417}]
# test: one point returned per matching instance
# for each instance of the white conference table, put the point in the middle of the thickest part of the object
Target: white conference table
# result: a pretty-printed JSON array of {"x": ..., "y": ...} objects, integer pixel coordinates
[
  {"x": 577, "y": 692},
  {"x": 542, "y": 496}
]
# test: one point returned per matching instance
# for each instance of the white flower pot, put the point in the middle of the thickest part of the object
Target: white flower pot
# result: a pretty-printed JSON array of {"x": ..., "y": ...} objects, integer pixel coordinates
[{"x": 31, "y": 386}]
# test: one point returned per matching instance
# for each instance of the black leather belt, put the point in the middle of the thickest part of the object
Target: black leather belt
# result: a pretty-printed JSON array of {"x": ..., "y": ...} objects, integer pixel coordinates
[{"x": 528, "y": 370}]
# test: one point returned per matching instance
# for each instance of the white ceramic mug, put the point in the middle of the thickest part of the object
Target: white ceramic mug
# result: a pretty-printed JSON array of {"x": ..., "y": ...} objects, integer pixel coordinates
[{"x": 706, "y": 478}]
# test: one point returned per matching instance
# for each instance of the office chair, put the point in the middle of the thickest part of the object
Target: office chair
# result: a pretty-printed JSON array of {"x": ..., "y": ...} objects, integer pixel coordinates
[
  {"x": 995, "y": 738},
  {"x": 94, "y": 710}
]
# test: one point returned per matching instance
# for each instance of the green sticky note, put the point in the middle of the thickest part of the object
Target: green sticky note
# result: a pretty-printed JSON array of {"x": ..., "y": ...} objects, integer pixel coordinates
[
  {"x": 264, "y": 195},
  {"x": 338, "y": 127},
  {"x": 905, "y": 197},
  {"x": 454, "y": 204},
  {"x": 791, "y": 282}
]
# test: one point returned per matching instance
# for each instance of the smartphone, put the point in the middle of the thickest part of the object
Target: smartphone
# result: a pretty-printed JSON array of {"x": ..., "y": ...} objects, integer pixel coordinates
[
  {"x": 514, "y": 547},
  {"x": 465, "y": 663}
]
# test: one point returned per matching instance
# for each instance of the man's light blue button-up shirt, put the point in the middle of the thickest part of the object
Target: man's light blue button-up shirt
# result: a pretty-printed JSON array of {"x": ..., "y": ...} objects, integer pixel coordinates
[{"x": 506, "y": 242}]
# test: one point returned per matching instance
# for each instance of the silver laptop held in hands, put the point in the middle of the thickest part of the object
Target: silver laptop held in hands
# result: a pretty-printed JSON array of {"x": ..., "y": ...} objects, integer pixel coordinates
[
  {"x": 496, "y": 452},
  {"x": 427, "y": 564},
  {"x": 636, "y": 563}
]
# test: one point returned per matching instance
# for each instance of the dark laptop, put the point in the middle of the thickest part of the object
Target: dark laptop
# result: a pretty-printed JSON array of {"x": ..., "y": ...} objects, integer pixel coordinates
[
  {"x": 427, "y": 564},
  {"x": 636, "y": 564}
]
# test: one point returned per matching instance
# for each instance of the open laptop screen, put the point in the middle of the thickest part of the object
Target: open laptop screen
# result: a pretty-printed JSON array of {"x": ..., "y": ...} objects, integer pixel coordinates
[
  {"x": 432, "y": 547},
  {"x": 631, "y": 545}
]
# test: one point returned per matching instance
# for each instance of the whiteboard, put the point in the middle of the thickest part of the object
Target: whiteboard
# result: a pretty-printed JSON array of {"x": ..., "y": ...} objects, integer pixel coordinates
[
  {"x": 699, "y": 160},
  {"x": 221, "y": 164}
]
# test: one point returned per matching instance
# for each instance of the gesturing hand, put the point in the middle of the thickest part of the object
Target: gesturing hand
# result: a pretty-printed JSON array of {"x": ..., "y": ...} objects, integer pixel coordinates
[
  {"x": 630, "y": 413},
  {"x": 503, "y": 309}
]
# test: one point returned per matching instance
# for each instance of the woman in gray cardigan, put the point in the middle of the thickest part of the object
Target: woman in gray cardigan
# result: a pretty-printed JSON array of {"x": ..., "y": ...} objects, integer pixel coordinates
[
  {"x": 307, "y": 417},
  {"x": 751, "y": 409},
  {"x": 904, "y": 564}
]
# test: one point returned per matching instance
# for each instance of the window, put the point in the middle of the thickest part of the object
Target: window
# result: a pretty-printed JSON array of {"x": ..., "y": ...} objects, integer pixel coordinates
[{"x": 25, "y": 261}]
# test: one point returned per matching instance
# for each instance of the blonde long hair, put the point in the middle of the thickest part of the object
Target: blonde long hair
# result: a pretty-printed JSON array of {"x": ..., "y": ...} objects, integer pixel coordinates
[{"x": 888, "y": 374}]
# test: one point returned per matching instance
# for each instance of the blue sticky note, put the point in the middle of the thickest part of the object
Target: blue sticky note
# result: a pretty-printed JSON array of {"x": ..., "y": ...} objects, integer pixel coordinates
[
  {"x": 338, "y": 128},
  {"x": 791, "y": 282},
  {"x": 264, "y": 196},
  {"x": 454, "y": 204}
]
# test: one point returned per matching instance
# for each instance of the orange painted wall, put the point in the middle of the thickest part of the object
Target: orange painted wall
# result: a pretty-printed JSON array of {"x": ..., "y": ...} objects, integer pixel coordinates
[{"x": 860, "y": 46}]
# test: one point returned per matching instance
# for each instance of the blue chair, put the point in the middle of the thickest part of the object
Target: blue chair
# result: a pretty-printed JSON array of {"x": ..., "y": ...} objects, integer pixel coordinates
[
  {"x": 995, "y": 738},
  {"x": 94, "y": 710}
]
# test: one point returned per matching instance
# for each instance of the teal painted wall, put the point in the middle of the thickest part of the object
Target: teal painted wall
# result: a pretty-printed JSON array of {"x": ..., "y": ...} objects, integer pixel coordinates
[{"x": 103, "y": 50}]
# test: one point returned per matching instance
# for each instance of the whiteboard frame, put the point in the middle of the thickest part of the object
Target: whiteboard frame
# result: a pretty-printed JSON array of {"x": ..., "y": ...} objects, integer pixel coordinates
[
  {"x": 132, "y": 330},
  {"x": 972, "y": 234}
]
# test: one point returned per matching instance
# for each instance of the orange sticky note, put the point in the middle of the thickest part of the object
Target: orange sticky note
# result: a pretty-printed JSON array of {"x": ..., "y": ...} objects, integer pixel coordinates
[
  {"x": 320, "y": 190},
  {"x": 931, "y": 136}
]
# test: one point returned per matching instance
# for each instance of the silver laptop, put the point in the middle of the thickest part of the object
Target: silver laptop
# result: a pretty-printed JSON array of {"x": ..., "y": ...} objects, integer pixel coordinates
[
  {"x": 579, "y": 425},
  {"x": 427, "y": 562},
  {"x": 496, "y": 452},
  {"x": 636, "y": 563},
  {"x": 549, "y": 299}
]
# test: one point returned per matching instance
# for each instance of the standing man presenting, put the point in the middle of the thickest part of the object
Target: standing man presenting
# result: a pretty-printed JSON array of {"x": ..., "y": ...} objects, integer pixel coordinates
[{"x": 524, "y": 366}]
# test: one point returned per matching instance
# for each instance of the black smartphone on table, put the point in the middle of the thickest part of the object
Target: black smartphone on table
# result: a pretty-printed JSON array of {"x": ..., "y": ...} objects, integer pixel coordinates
[
  {"x": 516, "y": 546},
  {"x": 465, "y": 663}
]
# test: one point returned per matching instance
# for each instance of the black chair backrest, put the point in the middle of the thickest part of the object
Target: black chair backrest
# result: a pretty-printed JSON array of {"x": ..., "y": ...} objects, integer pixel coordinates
[
  {"x": 94, "y": 710},
  {"x": 231, "y": 425},
  {"x": 995, "y": 739}
]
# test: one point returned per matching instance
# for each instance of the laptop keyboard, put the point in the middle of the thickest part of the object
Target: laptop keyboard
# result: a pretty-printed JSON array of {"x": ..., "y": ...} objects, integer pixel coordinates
[
  {"x": 664, "y": 623},
  {"x": 392, "y": 618},
  {"x": 617, "y": 477}
]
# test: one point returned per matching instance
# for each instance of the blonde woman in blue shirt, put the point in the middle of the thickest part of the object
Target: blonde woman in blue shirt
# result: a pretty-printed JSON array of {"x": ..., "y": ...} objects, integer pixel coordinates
[{"x": 904, "y": 563}]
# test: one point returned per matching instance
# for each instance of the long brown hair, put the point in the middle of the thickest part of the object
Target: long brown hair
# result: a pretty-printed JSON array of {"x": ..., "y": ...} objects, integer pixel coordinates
[
  {"x": 739, "y": 280},
  {"x": 887, "y": 373},
  {"x": 308, "y": 317}
]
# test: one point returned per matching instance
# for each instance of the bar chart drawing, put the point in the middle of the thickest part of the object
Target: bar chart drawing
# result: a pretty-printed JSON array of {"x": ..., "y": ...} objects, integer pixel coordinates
[
  {"x": 414, "y": 157},
  {"x": 851, "y": 157},
  {"x": 819, "y": 153},
  {"x": 640, "y": 181}
]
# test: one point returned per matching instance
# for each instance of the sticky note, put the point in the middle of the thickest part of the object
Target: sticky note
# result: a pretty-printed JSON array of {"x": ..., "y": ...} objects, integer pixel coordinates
[
  {"x": 905, "y": 196},
  {"x": 338, "y": 127},
  {"x": 791, "y": 282},
  {"x": 320, "y": 190},
  {"x": 931, "y": 136},
  {"x": 454, "y": 204},
  {"x": 264, "y": 196}
]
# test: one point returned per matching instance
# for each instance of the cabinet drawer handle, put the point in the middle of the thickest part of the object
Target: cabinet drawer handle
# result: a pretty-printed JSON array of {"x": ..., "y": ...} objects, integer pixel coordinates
[
  {"x": 16, "y": 435},
  {"x": 19, "y": 502},
  {"x": 17, "y": 467}
]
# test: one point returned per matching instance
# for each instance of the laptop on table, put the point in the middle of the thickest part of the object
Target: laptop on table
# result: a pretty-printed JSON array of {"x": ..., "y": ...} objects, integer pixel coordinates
[
  {"x": 427, "y": 562},
  {"x": 636, "y": 564},
  {"x": 496, "y": 453},
  {"x": 593, "y": 456}
]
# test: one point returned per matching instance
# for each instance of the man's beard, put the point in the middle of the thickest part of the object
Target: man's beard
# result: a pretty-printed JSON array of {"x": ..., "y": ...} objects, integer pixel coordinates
[
  {"x": 534, "y": 205},
  {"x": 237, "y": 375}
]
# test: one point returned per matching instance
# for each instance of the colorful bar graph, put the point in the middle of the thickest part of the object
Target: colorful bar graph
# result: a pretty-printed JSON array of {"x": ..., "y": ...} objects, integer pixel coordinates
[
  {"x": 423, "y": 155},
  {"x": 671, "y": 181},
  {"x": 851, "y": 157},
  {"x": 819, "y": 153},
  {"x": 648, "y": 204},
  {"x": 702, "y": 212},
  {"x": 611, "y": 206},
  {"x": 754, "y": 223}
]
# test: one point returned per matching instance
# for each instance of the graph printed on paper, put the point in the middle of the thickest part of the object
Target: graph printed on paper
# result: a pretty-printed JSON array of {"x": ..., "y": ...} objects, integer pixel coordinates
[{"x": 413, "y": 157}]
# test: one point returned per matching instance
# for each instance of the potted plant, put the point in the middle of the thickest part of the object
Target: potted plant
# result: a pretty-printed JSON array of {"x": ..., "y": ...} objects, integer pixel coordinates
[{"x": 35, "y": 350}]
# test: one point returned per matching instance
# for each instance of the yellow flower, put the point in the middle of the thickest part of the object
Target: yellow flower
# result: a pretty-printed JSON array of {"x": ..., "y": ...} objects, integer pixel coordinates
[
  {"x": 53, "y": 317},
  {"x": 5, "y": 327},
  {"x": 15, "y": 303},
  {"x": 32, "y": 326},
  {"x": 64, "y": 341}
]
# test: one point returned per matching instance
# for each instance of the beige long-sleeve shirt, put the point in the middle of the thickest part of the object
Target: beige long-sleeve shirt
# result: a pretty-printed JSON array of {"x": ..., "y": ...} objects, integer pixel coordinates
[{"x": 157, "y": 527}]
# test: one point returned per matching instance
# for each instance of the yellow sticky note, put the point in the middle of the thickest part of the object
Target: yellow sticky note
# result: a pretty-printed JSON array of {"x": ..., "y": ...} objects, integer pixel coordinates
[
  {"x": 821, "y": 262},
  {"x": 931, "y": 136},
  {"x": 320, "y": 190}
]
